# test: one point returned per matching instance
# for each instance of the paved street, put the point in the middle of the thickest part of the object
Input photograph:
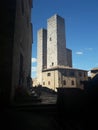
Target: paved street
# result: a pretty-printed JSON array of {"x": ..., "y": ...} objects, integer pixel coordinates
[{"x": 48, "y": 98}]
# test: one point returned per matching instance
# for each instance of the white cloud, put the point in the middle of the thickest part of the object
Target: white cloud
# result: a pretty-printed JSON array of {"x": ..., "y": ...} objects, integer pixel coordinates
[
  {"x": 89, "y": 73},
  {"x": 79, "y": 52},
  {"x": 33, "y": 69},
  {"x": 34, "y": 60}
]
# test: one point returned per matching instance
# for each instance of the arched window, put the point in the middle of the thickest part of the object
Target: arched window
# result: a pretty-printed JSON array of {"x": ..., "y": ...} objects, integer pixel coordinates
[
  {"x": 72, "y": 82},
  {"x": 48, "y": 82},
  {"x": 64, "y": 82},
  {"x": 43, "y": 83}
]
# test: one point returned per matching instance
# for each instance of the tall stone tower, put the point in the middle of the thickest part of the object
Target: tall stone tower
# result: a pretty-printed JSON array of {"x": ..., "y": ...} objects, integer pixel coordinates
[
  {"x": 56, "y": 42},
  {"x": 51, "y": 48},
  {"x": 41, "y": 53}
]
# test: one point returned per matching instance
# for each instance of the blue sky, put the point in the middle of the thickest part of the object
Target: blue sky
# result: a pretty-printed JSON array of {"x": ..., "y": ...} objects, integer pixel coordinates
[{"x": 81, "y": 21}]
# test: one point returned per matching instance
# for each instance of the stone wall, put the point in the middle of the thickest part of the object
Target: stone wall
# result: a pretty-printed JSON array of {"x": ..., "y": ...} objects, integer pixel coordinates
[
  {"x": 16, "y": 40},
  {"x": 22, "y": 43}
]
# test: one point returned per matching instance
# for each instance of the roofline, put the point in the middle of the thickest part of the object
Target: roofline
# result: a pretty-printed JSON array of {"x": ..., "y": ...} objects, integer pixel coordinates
[{"x": 62, "y": 67}]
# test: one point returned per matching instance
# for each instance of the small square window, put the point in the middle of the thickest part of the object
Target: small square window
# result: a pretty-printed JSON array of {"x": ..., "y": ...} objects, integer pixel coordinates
[
  {"x": 52, "y": 64},
  {"x": 72, "y": 82},
  {"x": 64, "y": 82},
  {"x": 48, "y": 74}
]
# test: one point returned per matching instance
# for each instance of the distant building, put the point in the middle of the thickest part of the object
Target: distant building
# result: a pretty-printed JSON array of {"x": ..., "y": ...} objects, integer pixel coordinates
[
  {"x": 54, "y": 67},
  {"x": 62, "y": 76},
  {"x": 16, "y": 46},
  {"x": 94, "y": 72}
]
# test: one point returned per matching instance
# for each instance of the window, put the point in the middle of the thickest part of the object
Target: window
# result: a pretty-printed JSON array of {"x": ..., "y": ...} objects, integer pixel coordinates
[
  {"x": 52, "y": 63},
  {"x": 80, "y": 74},
  {"x": 72, "y": 82},
  {"x": 84, "y": 74},
  {"x": 48, "y": 82},
  {"x": 64, "y": 82},
  {"x": 49, "y": 74},
  {"x": 72, "y": 73},
  {"x": 63, "y": 72},
  {"x": 43, "y": 83},
  {"x": 50, "y": 39}
]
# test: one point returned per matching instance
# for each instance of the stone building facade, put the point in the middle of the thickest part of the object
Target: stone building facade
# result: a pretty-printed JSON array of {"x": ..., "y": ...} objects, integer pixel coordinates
[
  {"x": 94, "y": 72},
  {"x": 58, "y": 58},
  {"x": 16, "y": 45},
  {"x": 62, "y": 76}
]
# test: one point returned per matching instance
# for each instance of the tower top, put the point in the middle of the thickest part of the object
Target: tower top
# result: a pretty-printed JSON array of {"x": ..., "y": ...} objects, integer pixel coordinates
[{"x": 55, "y": 16}]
